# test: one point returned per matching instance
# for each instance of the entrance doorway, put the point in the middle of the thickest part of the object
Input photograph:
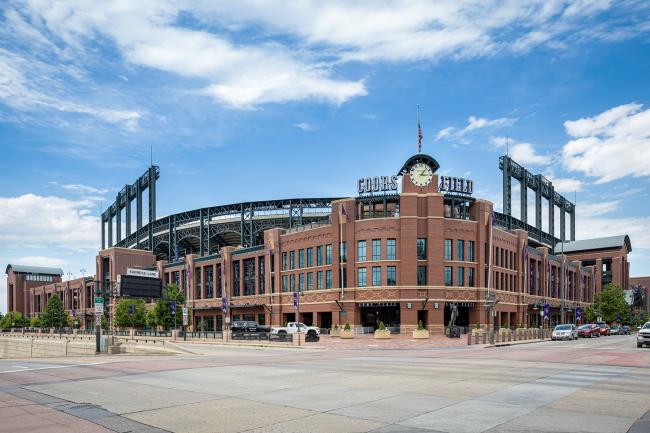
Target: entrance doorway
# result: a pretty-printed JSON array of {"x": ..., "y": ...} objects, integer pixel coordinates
[
  {"x": 373, "y": 313},
  {"x": 422, "y": 317},
  {"x": 325, "y": 320}
]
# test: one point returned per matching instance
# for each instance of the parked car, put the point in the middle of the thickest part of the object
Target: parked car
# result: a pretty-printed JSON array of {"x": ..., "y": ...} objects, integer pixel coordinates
[
  {"x": 588, "y": 331},
  {"x": 564, "y": 332},
  {"x": 625, "y": 329},
  {"x": 615, "y": 330},
  {"x": 248, "y": 326},
  {"x": 643, "y": 336},
  {"x": 293, "y": 327},
  {"x": 604, "y": 329}
]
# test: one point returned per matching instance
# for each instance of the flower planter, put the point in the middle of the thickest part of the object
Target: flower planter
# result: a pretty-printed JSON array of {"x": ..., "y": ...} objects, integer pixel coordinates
[
  {"x": 335, "y": 332},
  {"x": 420, "y": 334},
  {"x": 382, "y": 335},
  {"x": 347, "y": 334}
]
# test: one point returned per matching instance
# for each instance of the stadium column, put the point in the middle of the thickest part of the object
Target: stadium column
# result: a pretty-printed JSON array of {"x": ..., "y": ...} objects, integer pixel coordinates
[
  {"x": 538, "y": 205},
  {"x": 242, "y": 237},
  {"x": 573, "y": 224},
  {"x": 507, "y": 187},
  {"x": 118, "y": 219},
  {"x": 562, "y": 220},
  {"x": 201, "y": 224},
  {"x": 152, "y": 194},
  {"x": 127, "y": 208},
  {"x": 524, "y": 197},
  {"x": 103, "y": 228},
  {"x": 138, "y": 207},
  {"x": 551, "y": 211},
  {"x": 109, "y": 220},
  {"x": 170, "y": 239}
]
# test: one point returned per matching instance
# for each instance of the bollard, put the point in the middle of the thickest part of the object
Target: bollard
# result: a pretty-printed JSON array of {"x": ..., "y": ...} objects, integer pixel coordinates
[{"x": 469, "y": 339}]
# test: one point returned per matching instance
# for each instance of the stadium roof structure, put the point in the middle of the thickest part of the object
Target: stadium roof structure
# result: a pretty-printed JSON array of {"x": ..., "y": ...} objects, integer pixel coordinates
[
  {"x": 609, "y": 242},
  {"x": 26, "y": 269}
]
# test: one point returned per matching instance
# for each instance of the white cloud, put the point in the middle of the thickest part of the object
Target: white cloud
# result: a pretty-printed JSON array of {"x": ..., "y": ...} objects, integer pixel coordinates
[
  {"x": 80, "y": 189},
  {"x": 39, "y": 261},
  {"x": 47, "y": 221},
  {"x": 474, "y": 123},
  {"x": 564, "y": 185},
  {"x": 522, "y": 153},
  {"x": 304, "y": 126},
  {"x": 610, "y": 145},
  {"x": 29, "y": 85}
]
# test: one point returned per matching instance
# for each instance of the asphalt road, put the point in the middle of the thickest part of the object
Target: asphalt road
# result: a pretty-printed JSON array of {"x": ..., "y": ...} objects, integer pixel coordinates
[{"x": 590, "y": 385}]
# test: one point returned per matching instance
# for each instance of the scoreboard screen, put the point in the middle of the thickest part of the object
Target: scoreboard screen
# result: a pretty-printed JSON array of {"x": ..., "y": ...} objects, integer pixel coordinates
[{"x": 135, "y": 286}]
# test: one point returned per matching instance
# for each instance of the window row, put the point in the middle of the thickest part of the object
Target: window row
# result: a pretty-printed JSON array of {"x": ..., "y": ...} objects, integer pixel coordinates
[
  {"x": 459, "y": 279},
  {"x": 305, "y": 281},
  {"x": 306, "y": 257},
  {"x": 460, "y": 250}
]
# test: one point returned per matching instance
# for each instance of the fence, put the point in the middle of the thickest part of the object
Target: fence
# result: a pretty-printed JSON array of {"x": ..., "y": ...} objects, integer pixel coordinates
[{"x": 506, "y": 336}]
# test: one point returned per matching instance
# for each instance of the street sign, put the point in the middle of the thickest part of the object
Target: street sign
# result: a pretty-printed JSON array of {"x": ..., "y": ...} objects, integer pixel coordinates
[
  {"x": 295, "y": 300},
  {"x": 99, "y": 306},
  {"x": 224, "y": 304},
  {"x": 185, "y": 316}
]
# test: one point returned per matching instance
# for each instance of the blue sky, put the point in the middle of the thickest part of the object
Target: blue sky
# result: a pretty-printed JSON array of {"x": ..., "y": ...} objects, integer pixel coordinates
[{"x": 274, "y": 99}]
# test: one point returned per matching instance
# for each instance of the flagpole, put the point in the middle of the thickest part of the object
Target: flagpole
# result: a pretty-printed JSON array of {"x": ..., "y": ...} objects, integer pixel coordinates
[
  {"x": 340, "y": 251},
  {"x": 419, "y": 130}
]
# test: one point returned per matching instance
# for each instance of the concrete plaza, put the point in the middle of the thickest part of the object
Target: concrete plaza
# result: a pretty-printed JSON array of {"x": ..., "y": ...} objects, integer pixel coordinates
[{"x": 597, "y": 385}]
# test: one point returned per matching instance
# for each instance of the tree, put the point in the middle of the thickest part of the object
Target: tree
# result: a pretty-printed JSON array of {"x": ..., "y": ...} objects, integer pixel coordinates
[
  {"x": 54, "y": 315},
  {"x": 35, "y": 322},
  {"x": 14, "y": 319},
  {"x": 162, "y": 310},
  {"x": 610, "y": 305},
  {"x": 123, "y": 310}
]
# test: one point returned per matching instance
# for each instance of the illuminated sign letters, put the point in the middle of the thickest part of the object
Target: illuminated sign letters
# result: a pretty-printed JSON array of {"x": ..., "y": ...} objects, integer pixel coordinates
[
  {"x": 456, "y": 185},
  {"x": 377, "y": 184}
]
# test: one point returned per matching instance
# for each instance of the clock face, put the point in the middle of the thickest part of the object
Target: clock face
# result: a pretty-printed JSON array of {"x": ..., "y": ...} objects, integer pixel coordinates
[{"x": 421, "y": 174}]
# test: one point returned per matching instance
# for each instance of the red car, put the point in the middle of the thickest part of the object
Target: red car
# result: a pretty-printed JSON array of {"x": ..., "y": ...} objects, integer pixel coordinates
[
  {"x": 604, "y": 329},
  {"x": 589, "y": 330}
]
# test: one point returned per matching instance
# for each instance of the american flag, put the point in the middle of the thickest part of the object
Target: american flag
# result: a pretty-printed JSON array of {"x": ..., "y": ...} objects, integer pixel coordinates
[{"x": 419, "y": 137}]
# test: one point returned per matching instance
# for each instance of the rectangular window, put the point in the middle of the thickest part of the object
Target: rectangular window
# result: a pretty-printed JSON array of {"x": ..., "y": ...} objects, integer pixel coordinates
[
  {"x": 301, "y": 282},
  {"x": 219, "y": 282},
  {"x": 460, "y": 249},
  {"x": 376, "y": 249},
  {"x": 310, "y": 281},
  {"x": 361, "y": 277},
  {"x": 448, "y": 276},
  {"x": 422, "y": 248},
  {"x": 319, "y": 255},
  {"x": 470, "y": 251},
  {"x": 301, "y": 259},
  {"x": 328, "y": 279},
  {"x": 470, "y": 277},
  {"x": 310, "y": 257},
  {"x": 319, "y": 280},
  {"x": 262, "y": 275},
  {"x": 292, "y": 282},
  {"x": 328, "y": 254},
  {"x": 391, "y": 276},
  {"x": 285, "y": 285},
  {"x": 376, "y": 276},
  {"x": 391, "y": 250},
  {"x": 249, "y": 277},
  {"x": 235, "y": 272},
  {"x": 284, "y": 261},
  {"x": 343, "y": 251},
  {"x": 448, "y": 251},
  {"x": 197, "y": 273},
  {"x": 292, "y": 260},
  {"x": 361, "y": 251},
  {"x": 461, "y": 276},
  {"x": 422, "y": 275}
]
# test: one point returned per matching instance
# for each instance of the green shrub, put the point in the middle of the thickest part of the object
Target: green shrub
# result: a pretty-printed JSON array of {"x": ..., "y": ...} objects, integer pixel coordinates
[
  {"x": 35, "y": 322},
  {"x": 420, "y": 326},
  {"x": 477, "y": 326},
  {"x": 382, "y": 327},
  {"x": 336, "y": 327},
  {"x": 347, "y": 327}
]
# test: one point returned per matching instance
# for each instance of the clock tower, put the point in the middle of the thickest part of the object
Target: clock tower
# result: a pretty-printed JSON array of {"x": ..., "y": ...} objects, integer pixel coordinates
[{"x": 419, "y": 175}]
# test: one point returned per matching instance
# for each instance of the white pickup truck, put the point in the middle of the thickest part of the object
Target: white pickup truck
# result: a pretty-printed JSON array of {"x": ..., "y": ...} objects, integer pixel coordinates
[{"x": 293, "y": 327}]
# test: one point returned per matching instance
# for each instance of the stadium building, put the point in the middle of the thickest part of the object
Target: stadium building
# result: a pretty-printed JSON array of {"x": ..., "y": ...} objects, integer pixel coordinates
[{"x": 406, "y": 248}]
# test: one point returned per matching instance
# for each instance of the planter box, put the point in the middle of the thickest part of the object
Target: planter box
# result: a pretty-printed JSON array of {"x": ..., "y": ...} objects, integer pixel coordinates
[
  {"x": 421, "y": 334},
  {"x": 382, "y": 335},
  {"x": 347, "y": 334},
  {"x": 478, "y": 331},
  {"x": 335, "y": 332}
]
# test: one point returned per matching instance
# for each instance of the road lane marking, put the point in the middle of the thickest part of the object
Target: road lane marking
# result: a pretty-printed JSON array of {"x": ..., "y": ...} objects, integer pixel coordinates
[{"x": 50, "y": 367}]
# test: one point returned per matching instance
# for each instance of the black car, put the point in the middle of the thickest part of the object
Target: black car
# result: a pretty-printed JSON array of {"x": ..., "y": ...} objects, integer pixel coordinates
[{"x": 249, "y": 326}]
